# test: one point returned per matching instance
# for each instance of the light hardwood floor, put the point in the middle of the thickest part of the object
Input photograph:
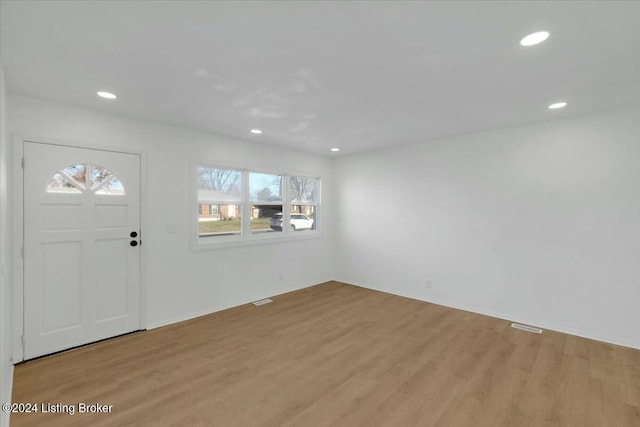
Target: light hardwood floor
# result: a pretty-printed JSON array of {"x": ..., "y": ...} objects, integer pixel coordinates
[{"x": 339, "y": 355}]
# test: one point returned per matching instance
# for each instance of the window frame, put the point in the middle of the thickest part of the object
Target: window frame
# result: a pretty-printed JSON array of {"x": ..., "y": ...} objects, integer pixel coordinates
[
  {"x": 315, "y": 204},
  {"x": 195, "y": 182},
  {"x": 89, "y": 186},
  {"x": 246, "y": 236},
  {"x": 251, "y": 203}
]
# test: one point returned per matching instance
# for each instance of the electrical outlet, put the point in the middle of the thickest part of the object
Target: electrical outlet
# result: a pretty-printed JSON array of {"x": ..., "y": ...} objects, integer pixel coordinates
[{"x": 429, "y": 284}]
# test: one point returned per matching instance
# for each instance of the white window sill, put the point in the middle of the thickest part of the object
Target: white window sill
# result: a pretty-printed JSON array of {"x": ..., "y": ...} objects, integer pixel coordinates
[{"x": 252, "y": 240}]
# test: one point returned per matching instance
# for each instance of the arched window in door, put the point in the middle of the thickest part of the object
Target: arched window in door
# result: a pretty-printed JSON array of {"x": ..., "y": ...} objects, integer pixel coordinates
[{"x": 80, "y": 178}]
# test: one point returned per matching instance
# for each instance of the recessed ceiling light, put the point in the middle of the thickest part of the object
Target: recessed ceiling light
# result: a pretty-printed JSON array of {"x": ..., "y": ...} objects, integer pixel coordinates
[
  {"x": 107, "y": 95},
  {"x": 557, "y": 105},
  {"x": 335, "y": 149},
  {"x": 256, "y": 131},
  {"x": 534, "y": 38}
]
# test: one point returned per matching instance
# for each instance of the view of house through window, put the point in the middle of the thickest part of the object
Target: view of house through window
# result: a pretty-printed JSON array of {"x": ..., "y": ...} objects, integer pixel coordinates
[
  {"x": 303, "y": 197},
  {"x": 234, "y": 202},
  {"x": 219, "y": 201},
  {"x": 265, "y": 192}
]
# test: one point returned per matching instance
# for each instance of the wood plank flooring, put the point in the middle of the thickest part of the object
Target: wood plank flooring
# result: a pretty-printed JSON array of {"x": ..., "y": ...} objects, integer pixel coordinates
[{"x": 339, "y": 355}]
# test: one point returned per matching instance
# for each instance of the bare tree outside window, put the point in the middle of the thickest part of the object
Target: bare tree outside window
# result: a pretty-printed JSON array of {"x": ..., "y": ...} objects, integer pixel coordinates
[
  {"x": 221, "y": 180},
  {"x": 302, "y": 191},
  {"x": 265, "y": 193},
  {"x": 243, "y": 203},
  {"x": 219, "y": 202}
]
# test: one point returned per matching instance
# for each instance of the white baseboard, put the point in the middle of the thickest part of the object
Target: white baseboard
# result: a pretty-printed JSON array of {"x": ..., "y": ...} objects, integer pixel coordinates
[
  {"x": 182, "y": 318},
  {"x": 211, "y": 310},
  {"x": 503, "y": 316}
]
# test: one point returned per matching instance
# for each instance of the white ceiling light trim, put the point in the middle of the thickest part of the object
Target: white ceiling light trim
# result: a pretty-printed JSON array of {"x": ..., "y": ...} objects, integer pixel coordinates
[
  {"x": 106, "y": 95},
  {"x": 335, "y": 149},
  {"x": 557, "y": 105},
  {"x": 256, "y": 131},
  {"x": 534, "y": 38}
]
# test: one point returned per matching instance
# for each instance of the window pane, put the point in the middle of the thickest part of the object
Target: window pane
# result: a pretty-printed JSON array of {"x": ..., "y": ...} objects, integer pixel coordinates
[
  {"x": 303, "y": 189},
  {"x": 303, "y": 217},
  {"x": 265, "y": 188},
  {"x": 112, "y": 187},
  {"x": 227, "y": 220},
  {"x": 59, "y": 184},
  {"x": 73, "y": 179},
  {"x": 78, "y": 173},
  {"x": 215, "y": 185},
  {"x": 98, "y": 175},
  {"x": 266, "y": 218}
]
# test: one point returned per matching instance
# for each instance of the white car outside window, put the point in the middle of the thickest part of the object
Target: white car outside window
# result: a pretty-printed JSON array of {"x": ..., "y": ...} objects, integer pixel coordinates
[{"x": 298, "y": 222}]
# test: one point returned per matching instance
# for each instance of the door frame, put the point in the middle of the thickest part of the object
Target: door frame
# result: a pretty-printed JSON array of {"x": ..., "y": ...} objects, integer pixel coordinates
[{"x": 17, "y": 212}]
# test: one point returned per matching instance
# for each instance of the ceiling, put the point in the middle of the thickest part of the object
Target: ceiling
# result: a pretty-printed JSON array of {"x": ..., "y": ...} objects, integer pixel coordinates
[{"x": 316, "y": 75}]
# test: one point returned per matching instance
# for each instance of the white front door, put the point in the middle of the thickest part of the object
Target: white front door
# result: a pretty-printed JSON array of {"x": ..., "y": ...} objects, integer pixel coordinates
[{"x": 81, "y": 246}]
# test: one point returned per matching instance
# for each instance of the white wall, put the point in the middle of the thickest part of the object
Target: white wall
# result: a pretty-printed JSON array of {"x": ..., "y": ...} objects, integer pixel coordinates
[
  {"x": 6, "y": 368},
  {"x": 181, "y": 283},
  {"x": 538, "y": 224}
]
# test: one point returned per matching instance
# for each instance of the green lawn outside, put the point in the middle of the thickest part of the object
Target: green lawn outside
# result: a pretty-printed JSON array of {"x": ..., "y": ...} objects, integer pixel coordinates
[{"x": 232, "y": 226}]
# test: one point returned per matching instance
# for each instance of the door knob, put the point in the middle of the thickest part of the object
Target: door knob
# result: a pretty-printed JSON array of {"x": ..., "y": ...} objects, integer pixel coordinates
[{"x": 134, "y": 243}]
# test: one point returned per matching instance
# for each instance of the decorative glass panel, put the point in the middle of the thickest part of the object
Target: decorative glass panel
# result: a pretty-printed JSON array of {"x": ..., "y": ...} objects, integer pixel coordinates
[
  {"x": 73, "y": 179},
  {"x": 59, "y": 184},
  {"x": 113, "y": 186},
  {"x": 78, "y": 173},
  {"x": 97, "y": 175}
]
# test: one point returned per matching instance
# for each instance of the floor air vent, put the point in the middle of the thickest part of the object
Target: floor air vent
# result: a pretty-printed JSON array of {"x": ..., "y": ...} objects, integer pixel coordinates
[
  {"x": 526, "y": 328},
  {"x": 263, "y": 301}
]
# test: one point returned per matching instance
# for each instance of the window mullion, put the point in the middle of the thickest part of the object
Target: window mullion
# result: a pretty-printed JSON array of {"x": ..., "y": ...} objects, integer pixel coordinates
[
  {"x": 264, "y": 207},
  {"x": 246, "y": 206},
  {"x": 286, "y": 206}
]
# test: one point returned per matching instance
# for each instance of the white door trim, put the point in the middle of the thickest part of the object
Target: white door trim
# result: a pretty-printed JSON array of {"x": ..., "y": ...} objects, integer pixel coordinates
[{"x": 17, "y": 220}]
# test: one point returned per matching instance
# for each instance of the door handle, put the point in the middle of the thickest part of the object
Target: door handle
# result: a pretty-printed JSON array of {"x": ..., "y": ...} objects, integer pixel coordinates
[{"x": 133, "y": 235}]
